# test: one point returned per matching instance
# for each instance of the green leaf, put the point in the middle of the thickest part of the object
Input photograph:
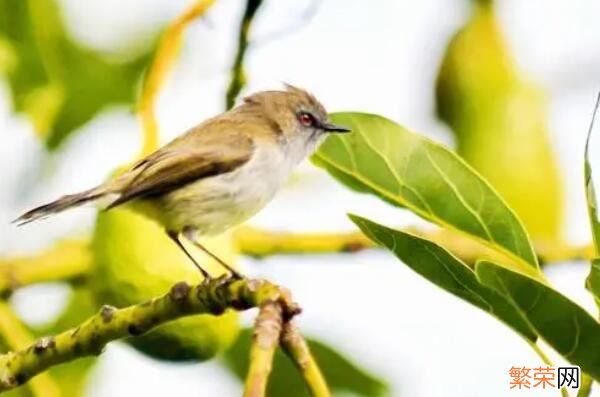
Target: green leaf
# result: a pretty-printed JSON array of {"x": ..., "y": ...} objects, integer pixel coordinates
[
  {"x": 57, "y": 82},
  {"x": 411, "y": 171},
  {"x": 341, "y": 374},
  {"x": 564, "y": 325},
  {"x": 593, "y": 279},
  {"x": 446, "y": 271}
]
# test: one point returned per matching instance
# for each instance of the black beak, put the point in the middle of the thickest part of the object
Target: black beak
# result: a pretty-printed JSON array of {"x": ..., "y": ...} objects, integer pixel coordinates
[{"x": 329, "y": 127}]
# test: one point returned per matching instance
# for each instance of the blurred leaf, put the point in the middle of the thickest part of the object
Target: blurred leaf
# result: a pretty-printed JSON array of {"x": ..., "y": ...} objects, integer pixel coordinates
[
  {"x": 446, "y": 271},
  {"x": 593, "y": 280},
  {"x": 409, "y": 170},
  {"x": 500, "y": 122},
  {"x": 341, "y": 375},
  {"x": 564, "y": 325},
  {"x": 57, "y": 82},
  {"x": 72, "y": 377}
]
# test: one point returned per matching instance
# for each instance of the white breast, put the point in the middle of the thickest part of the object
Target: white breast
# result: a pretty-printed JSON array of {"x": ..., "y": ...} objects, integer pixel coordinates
[{"x": 217, "y": 203}]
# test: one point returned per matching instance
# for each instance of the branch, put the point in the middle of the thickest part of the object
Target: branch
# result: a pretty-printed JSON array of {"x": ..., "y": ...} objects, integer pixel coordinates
[
  {"x": 89, "y": 338},
  {"x": 14, "y": 335},
  {"x": 72, "y": 259},
  {"x": 66, "y": 260},
  {"x": 296, "y": 348},
  {"x": 238, "y": 77},
  {"x": 267, "y": 330},
  {"x": 166, "y": 53},
  {"x": 256, "y": 242}
]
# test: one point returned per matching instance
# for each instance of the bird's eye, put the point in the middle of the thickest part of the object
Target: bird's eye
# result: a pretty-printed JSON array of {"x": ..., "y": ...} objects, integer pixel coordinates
[{"x": 306, "y": 119}]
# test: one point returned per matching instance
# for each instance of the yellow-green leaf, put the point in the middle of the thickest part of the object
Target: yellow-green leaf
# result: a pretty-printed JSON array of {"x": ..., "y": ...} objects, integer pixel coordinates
[{"x": 409, "y": 170}]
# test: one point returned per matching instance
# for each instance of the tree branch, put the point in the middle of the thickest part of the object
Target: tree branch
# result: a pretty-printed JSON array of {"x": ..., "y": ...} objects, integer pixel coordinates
[
  {"x": 296, "y": 348},
  {"x": 90, "y": 337},
  {"x": 166, "y": 53},
  {"x": 14, "y": 334},
  {"x": 72, "y": 259},
  {"x": 238, "y": 77},
  {"x": 66, "y": 260},
  {"x": 267, "y": 330}
]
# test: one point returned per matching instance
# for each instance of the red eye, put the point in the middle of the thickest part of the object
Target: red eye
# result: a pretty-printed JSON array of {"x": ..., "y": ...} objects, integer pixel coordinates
[{"x": 305, "y": 119}]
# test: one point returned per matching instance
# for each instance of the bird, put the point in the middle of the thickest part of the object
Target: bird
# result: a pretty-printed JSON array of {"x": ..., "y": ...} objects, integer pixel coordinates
[{"x": 217, "y": 174}]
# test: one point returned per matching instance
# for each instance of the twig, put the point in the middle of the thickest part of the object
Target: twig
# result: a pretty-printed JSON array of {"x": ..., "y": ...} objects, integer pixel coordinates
[
  {"x": 256, "y": 242},
  {"x": 15, "y": 335},
  {"x": 162, "y": 64},
  {"x": 91, "y": 336},
  {"x": 296, "y": 348},
  {"x": 72, "y": 259},
  {"x": 66, "y": 260},
  {"x": 238, "y": 77},
  {"x": 265, "y": 340}
]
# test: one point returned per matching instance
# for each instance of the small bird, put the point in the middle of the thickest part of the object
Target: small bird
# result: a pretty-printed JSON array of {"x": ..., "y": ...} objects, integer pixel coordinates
[{"x": 217, "y": 174}]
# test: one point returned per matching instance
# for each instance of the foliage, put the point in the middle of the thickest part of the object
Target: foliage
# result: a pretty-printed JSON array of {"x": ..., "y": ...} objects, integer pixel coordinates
[
  {"x": 57, "y": 82},
  {"x": 411, "y": 171},
  {"x": 523, "y": 300}
]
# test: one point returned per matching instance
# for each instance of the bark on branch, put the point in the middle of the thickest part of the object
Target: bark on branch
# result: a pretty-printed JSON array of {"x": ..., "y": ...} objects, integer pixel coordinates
[{"x": 109, "y": 324}]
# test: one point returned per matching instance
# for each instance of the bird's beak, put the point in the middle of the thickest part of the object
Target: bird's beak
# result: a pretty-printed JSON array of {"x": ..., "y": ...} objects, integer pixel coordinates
[{"x": 329, "y": 127}]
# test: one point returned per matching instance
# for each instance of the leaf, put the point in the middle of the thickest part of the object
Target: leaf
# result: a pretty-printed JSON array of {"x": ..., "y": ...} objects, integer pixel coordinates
[
  {"x": 57, "y": 82},
  {"x": 446, "y": 271},
  {"x": 593, "y": 280},
  {"x": 341, "y": 374},
  {"x": 411, "y": 171},
  {"x": 564, "y": 325},
  {"x": 499, "y": 118}
]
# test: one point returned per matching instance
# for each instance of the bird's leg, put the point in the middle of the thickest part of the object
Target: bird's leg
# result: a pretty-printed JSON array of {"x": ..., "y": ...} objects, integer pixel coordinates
[
  {"x": 190, "y": 234},
  {"x": 175, "y": 237}
]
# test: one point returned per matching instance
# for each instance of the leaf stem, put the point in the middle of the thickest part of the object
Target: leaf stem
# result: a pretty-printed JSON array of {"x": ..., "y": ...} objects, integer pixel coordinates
[
  {"x": 546, "y": 360},
  {"x": 164, "y": 59}
]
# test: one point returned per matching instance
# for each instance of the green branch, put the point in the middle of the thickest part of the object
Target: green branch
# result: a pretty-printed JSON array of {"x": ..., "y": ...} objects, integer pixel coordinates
[
  {"x": 297, "y": 349},
  {"x": 90, "y": 337},
  {"x": 238, "y": 77}
]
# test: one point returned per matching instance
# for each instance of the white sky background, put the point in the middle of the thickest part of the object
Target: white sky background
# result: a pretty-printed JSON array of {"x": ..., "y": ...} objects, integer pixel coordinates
[{"x": 377, "y": 56}]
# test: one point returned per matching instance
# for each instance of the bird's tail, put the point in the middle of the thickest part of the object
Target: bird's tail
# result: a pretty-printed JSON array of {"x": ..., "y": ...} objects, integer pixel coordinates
[{"x": 63, "y": 203}]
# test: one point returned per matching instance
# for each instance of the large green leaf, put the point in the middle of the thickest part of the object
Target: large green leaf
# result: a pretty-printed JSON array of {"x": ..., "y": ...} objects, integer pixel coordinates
[
  {"x": 593, "y": 280},
  {"x": 446, "y": 271},
  {"x": 341, "y": 374},
  {"x": 57, "y": 82},
  {"x": 564, "y": 325},
  {"x": 411, "y": 171}
]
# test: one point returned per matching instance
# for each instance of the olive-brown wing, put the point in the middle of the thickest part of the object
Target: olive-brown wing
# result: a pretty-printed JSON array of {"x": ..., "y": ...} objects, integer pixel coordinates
[{"x": 183, "y": 162}]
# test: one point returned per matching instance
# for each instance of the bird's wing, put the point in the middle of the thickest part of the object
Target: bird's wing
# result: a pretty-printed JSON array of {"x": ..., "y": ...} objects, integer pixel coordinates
[{"x": 183, "y": 161}]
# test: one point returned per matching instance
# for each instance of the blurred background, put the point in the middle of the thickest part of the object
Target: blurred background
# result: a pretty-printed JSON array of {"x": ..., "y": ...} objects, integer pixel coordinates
[{"x": 68, "y": 124}]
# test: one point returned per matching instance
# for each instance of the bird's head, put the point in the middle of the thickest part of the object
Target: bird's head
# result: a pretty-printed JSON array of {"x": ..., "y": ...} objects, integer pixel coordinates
[{"x": 295, "y": 113}]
